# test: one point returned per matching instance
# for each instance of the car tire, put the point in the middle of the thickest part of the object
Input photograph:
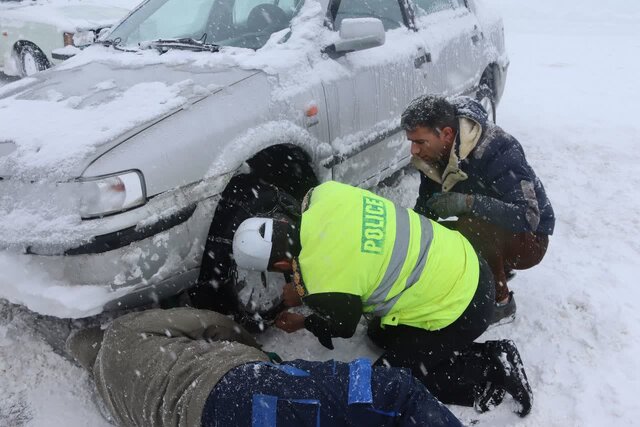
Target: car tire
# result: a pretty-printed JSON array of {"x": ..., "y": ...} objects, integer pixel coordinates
[
  {"x": 31, "y": 60},
  {"x": 486, "y": 96},
  {"x": 221, "y": 285}
]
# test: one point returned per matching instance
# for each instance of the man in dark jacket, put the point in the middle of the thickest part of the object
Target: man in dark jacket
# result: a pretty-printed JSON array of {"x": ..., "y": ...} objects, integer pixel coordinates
[
  {"x": 186, "y": 367},
  {"x": 472, "y": 169}
]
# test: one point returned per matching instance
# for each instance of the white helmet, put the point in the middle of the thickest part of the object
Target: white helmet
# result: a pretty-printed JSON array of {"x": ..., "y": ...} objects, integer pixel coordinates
[{"x": 252, "y": 244}]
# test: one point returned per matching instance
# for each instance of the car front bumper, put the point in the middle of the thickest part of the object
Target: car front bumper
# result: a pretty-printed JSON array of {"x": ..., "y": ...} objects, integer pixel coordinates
[{"x": 137, "y": 257}]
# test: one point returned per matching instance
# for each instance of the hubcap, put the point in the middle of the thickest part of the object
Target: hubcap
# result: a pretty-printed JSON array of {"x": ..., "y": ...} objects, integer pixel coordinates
[
  {"x": 259, "y": 292},
  {"x": 29, "y": 63}
]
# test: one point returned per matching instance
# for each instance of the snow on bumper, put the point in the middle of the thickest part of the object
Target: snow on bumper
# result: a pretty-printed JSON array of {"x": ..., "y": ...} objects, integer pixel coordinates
[{"x": 120, "y": 266}]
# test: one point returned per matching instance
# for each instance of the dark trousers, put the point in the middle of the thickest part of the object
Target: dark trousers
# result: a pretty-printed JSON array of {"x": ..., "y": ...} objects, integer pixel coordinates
[
  {"x": 447, "y": 361},
  {"x": 322, "y": 394},
  {"x": 503, "y": 249}
]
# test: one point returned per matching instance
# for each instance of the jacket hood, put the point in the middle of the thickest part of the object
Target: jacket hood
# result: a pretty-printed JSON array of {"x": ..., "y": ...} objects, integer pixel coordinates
[
  {"x": 471, "y": 109},
  {"x": 58, "y": 122}
]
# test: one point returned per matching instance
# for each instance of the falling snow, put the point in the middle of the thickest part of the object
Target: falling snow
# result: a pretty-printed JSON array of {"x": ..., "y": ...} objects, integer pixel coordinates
[{"x": 571, "y": 100}]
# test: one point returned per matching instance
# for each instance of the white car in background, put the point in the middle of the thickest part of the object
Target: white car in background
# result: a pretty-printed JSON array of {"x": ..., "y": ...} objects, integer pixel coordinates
[{"x": 35, "y": 34}]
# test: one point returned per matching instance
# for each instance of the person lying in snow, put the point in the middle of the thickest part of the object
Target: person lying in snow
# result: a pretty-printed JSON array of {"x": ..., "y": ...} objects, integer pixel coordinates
[
  {"x": 427, "y": 293},
  {"x": 187, "y": 367},
  {"x": 472, "y": 169}
]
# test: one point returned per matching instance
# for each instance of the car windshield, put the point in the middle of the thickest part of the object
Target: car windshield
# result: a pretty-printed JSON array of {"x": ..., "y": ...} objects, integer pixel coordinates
[{"x": 239, "y": 23}]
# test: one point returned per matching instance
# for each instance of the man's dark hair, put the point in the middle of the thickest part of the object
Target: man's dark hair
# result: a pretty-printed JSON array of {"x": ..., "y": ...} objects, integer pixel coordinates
[
  {"x": 285, "y": 240},
  {"x": 430, "y": 111}
]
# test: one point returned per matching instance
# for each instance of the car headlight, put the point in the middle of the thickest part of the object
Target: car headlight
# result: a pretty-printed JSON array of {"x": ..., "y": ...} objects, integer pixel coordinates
[
  {"x": 110, "y": 194},
  {"x": 81, "y": 38}
]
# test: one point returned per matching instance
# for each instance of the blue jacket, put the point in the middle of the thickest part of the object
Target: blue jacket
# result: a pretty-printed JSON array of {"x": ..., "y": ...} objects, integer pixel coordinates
[
  {"x": 490, "y": 164},
  {"x": 322, "y": 394}
]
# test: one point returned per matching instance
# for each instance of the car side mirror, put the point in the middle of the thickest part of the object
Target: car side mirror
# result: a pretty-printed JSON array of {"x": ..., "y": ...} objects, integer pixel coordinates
[
  {"x": 103, "y": 33},
  {"x": 358, "y": 34}
]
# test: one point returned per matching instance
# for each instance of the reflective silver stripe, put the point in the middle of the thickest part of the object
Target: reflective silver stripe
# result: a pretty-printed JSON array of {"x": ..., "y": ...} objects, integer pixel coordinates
[
  {"x": 426, "y": 237},
  {"x": 398, "y": 257},
  {"x": 384, "y": 308}
]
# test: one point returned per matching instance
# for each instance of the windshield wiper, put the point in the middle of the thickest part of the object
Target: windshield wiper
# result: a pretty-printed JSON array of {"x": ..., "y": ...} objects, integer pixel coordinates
[
  {"x": 111, "y": 42},
  {"x": 186, "y": 43},
  {"x": 115, "y": 43}
]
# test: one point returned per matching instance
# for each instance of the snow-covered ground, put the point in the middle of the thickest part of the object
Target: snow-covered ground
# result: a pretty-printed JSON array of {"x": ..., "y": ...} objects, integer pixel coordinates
[
  {"x": 4, "y": 79},
  {"x": 570, "y": 99}
]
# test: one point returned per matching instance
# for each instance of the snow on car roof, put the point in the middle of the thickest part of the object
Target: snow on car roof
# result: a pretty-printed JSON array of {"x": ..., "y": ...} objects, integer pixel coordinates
[{"x": 67, "y": 15}]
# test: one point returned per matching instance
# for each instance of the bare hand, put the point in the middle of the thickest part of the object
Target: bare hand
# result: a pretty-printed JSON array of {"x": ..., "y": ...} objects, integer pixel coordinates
[
  {"x": 290, "y": 296},
  {"x": 290, "y": 322}
]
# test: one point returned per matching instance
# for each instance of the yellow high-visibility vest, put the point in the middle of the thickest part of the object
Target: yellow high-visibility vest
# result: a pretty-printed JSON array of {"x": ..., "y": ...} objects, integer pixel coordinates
[{"x": 406, "y": 268}]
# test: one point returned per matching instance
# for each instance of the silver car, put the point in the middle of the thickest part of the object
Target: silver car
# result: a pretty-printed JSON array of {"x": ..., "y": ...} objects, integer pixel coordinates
[{"x": 141, "y": 155}]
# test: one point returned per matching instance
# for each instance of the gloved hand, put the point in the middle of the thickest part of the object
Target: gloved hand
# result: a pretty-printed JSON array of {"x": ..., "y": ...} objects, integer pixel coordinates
[
  {"x": 450, "y": 204},
  {"x": 289, "y": 322},
  {"x": 273, "y": 357}
]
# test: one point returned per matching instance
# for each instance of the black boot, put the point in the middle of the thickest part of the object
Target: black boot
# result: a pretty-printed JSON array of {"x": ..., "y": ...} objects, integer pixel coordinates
[
  {"x": 487, "y": 392},
  {"x": 504, "y": 313},
  {"x": 509, "y": 373},
  {"x": 488, "y": 397}
]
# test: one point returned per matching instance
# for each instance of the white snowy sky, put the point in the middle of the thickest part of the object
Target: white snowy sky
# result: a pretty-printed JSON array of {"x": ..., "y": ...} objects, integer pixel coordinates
[{"x": 570, "y": 99}]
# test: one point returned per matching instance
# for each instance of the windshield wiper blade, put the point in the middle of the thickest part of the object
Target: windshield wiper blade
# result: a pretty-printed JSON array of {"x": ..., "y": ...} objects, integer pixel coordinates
[
  {"x": 116, "y": 44},
  {"x": 111, "y": 42},
  {"x": 183, "y": 44}
]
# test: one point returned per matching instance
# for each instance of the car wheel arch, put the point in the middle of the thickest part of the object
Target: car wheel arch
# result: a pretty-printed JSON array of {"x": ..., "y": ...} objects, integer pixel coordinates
[
  {"x": 20, "y": 45},
  {"x": 488, "y": 87},
  {"x": 496, "y": 74},
  {"x": 295, "y": 174},
  {"x": 273, "y": 137},
  {"x": 280, "y": 166}
]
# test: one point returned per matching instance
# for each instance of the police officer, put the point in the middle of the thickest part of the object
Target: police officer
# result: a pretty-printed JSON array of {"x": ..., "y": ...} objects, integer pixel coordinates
[{"x": 427, "y": 293}]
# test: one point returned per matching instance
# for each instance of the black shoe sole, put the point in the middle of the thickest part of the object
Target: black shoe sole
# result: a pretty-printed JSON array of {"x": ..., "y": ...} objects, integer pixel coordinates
[
  {"x": 515, "y": 380},
  {"x": 489, "y": 398}
]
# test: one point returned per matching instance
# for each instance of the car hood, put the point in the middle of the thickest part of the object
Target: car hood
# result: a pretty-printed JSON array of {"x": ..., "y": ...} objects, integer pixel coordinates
[{"x": 56, "y": 123}]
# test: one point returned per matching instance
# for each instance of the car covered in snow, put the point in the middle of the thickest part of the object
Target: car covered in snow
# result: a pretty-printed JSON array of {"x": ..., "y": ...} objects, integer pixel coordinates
[
  {"x": 125, "y": 170},
  {"x": 35, "y": 34}
]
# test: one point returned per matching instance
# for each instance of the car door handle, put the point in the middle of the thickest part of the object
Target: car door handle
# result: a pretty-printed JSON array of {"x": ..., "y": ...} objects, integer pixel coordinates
[
  {"x": 476, "y": 35},
  {"x": 422, "y": 59}
]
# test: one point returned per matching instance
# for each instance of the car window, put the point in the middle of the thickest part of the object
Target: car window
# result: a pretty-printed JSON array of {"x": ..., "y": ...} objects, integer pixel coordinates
[
  {"x": 432, "y": 6},
  {"x": 173, "y": 19},
  {"x": 288, "y": 4},
  {"x": 242, "y": 9},
  {"x": 388, "y": 11},
  {"x": 240, "y": 23}
]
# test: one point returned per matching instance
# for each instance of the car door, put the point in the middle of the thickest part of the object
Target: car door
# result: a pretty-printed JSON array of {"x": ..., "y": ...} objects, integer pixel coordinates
[
  {"x": 365, "y": 103},
  {"x": 454, "y": 40}
]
